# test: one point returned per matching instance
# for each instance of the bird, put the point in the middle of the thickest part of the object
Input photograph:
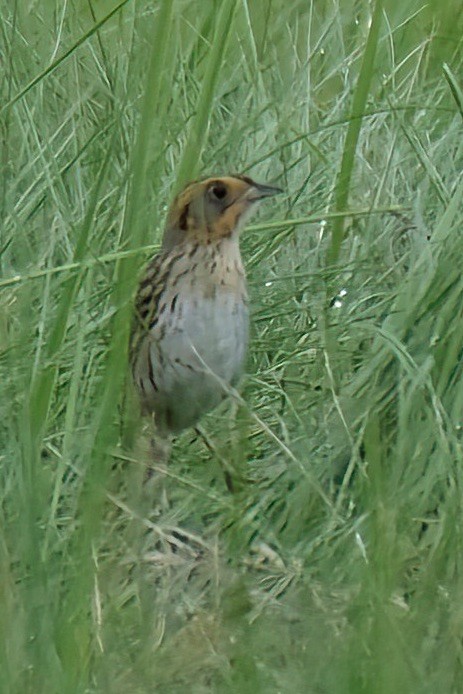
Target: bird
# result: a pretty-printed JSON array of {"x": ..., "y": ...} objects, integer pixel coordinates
[{"x": 191, "y": 320}]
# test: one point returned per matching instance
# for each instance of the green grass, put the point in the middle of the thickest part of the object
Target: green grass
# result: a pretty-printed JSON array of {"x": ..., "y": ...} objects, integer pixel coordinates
[{"x": 337, "y": 564}]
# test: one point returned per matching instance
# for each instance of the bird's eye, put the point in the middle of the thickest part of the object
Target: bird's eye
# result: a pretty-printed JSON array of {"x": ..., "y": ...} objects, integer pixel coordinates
[{"x": 218, "y": 191}]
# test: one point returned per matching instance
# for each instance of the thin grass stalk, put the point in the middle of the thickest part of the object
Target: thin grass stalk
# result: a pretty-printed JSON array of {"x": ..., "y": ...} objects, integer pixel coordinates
[
  {"x": 353, "y": 131},
  {"x": 104, "y": 434},
  {"x": 455, "y": 88},
  {"x": 190, "y": 161}
]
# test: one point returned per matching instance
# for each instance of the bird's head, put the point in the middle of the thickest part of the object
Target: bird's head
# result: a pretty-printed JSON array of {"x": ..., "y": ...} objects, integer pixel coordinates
[{"x": 212, "y": 209}]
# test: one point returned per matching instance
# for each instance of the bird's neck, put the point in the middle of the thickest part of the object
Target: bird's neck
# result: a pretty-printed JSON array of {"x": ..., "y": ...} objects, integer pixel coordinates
[{"x": 218, "y": 263}]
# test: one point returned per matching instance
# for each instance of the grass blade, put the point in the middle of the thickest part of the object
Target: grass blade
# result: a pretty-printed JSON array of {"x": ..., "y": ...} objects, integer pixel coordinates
[{"x": 353, "y": 131}]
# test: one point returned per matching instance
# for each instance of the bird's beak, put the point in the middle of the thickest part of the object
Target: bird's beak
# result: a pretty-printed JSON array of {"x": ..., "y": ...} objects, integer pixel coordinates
[{"x": 261, "y": 190}]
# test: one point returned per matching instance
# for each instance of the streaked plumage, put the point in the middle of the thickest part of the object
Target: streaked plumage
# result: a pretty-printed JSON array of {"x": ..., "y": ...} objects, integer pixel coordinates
[{"x": 191, "y": 320}]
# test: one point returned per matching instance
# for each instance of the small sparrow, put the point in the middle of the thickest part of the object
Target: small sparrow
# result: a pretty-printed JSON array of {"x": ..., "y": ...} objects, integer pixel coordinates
[{"x": 191, "y": 325}]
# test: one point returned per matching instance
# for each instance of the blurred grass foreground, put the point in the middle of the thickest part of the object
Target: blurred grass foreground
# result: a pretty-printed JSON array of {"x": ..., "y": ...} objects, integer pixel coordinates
[{"x": 337, "y": 564}]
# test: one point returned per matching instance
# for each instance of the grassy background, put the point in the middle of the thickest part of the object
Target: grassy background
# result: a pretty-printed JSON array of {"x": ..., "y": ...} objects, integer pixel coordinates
[{"x": 337, "y": 564}]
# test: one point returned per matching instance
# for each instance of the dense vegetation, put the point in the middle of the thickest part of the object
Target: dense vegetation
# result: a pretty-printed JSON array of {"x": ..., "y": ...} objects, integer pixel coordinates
[{"x": 337, "y": 563}]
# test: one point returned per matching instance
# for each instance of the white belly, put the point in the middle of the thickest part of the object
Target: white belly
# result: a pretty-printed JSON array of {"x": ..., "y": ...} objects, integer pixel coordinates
[{"x": 196, "y": 355}]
